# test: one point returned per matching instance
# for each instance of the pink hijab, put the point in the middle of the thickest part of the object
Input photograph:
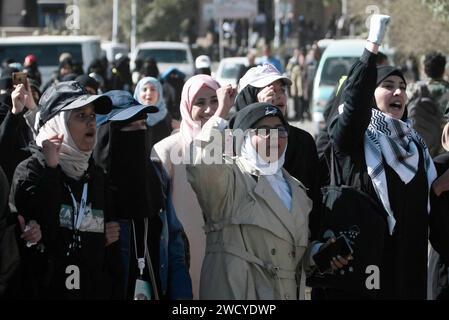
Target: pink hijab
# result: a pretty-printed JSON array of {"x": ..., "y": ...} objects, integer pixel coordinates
[{"x": 189, "y": 128}]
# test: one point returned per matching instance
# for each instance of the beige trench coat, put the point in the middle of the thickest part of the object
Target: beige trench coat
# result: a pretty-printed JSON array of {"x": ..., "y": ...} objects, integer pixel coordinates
[{"x": 255, "y": 247}]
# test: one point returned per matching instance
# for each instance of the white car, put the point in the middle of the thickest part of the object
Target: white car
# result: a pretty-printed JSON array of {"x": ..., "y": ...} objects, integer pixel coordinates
[
  {"x": 167, "y": 54},
  {"x": 111, "y": 49},
  {"x": 229, "y": 69}
]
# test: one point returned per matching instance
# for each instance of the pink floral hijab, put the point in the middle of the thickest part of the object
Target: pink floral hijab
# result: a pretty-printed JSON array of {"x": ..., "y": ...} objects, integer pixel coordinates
[{"x": 190, "y": 128}]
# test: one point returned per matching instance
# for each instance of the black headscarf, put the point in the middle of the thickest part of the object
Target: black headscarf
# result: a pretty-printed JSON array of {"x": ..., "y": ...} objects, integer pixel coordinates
[
  {"x": 247, "y": 96},
  {"x": 125, "y": 157}
]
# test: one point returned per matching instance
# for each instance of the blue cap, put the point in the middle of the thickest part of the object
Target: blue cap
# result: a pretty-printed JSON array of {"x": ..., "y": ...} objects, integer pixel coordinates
[{"x": 124, "y": 107}]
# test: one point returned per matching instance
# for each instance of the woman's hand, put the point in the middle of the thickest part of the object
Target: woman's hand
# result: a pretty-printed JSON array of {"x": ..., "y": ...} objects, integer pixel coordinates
[
  {"x": 31, "y": 232},
  {"x": 51, "y": 149},
  {"x": 378, "y": 28},
  {"x": 112, "y": 232},
  {"x": 175, "y": 124},
  {"x": 226, "y": 96},
  {"x": 19, "y": 98},
  {"x": 267, "y": 95},
  {"x": 337, "y": 262}
]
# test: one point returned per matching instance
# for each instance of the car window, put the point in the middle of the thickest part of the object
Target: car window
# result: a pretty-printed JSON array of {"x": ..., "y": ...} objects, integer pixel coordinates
[
  {"x": 231, "y": 71},
  {"x": 164, "y": 55},
  {"x": 47, "y": 54},
  {"x": 334, "y": 68}
]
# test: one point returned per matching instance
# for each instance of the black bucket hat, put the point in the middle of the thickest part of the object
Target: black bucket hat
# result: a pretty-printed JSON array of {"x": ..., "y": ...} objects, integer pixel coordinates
[{"x": 68, "y": 96}]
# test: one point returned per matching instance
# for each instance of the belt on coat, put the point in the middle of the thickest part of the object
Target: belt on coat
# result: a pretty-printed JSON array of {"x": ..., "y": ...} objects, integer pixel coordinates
[{"x": 274, "y": 271}]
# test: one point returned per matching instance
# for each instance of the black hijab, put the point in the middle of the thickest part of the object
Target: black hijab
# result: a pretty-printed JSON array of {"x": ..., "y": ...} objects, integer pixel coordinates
[{"x": 247, "y": 96}]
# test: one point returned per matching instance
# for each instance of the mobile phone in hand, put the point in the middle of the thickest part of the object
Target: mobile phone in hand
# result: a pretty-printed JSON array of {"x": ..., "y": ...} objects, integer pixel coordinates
[
  {"x": 20, "y": 78},
  {"x": 323, "y": 258}
]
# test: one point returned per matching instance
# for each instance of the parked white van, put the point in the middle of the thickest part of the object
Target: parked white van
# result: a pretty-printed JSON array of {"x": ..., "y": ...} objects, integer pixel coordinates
[
  {"x": 84, "y": 49},
  {"x": 167, "y": 54}
]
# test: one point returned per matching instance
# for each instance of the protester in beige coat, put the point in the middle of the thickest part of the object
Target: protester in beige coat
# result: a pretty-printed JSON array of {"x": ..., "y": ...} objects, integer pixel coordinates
[{"x": 256, "y": 214}]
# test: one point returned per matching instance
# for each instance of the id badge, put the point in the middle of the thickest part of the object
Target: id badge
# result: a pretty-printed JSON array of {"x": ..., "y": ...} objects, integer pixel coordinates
[{"x": 142, "y": 290}]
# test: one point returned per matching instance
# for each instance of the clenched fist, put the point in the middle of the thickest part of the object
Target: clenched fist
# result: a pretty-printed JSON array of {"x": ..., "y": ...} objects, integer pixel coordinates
[{"x": 51, "y": 148}]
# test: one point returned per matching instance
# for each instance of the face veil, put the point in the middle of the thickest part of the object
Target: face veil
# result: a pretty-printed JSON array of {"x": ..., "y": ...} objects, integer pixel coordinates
[{"x": 125, "y": 156}]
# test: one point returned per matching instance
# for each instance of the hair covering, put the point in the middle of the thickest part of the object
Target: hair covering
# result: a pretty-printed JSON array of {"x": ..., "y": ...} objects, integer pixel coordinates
[
  {"x": 190, "y": 128},
  {"x": 157, "y": 117},
  {"x": 72, "y": 160},
  {"x": 384, "y": 72},
  {"x": 246, "y": 96},
  {"x": 88, "y": 81},
  {"x": 30, "y": 60}
]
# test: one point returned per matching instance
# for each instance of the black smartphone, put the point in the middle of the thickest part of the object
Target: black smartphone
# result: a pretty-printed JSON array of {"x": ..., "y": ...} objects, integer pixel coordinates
[{"x": 340, "y": 247}]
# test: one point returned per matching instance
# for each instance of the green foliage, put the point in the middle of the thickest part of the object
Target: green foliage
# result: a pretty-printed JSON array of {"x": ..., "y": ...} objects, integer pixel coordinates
[
  {"x": 156, "y": 19},
  {"x": 162, "y": 19},
  {"x": 440, "y": 8}
]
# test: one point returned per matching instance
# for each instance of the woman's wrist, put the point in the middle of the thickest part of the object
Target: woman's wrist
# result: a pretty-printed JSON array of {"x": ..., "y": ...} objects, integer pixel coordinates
[{"x": 372, "y": 47}]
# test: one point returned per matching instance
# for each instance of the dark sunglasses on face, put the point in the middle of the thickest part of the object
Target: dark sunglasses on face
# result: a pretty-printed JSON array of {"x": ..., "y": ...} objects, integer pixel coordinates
[{"x": 265, "y": 132}]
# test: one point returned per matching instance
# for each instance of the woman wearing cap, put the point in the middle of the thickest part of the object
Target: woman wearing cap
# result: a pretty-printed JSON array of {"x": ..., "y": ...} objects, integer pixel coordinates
[
  {"x": 149, "y": 92},
  {"x": 256, "y": 214},
  {"x": 265, "y": 84},
  {"x": 61, "y": 188},
  {"x": 382, "y": 155},
  {"x": 150, "y": 230},
  {"x": 198, "y": 104}
]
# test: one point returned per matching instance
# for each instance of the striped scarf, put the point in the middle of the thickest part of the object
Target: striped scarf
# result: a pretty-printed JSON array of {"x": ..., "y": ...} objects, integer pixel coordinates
[{"x": 396, "y": 142}]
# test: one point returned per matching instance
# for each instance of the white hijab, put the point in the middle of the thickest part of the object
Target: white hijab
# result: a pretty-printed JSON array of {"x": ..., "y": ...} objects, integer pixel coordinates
[
  {"x": 72, "y": 160},
  {"x": 271, "y": 171}
]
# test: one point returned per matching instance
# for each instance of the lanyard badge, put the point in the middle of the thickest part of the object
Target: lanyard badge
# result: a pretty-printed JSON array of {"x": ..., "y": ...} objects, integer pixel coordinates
[{"x": 77, "y": 218}]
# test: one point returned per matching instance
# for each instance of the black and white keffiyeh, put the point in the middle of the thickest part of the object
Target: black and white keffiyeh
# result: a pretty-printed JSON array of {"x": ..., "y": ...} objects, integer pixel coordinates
[{"x": 397, "y": 143}]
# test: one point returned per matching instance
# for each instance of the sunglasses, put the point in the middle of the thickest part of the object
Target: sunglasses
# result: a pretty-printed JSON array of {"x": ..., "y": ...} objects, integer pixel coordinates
[{"x": 265, "y": 132}]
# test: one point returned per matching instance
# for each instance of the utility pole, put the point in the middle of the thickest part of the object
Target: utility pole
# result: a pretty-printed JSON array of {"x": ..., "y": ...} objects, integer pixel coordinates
[
  {"x": 133, "y": 25},
  {"x": 221, "y": 38},
  {"x": 277, "y": 26},
  {"x": 115, "y": 21},
  {"x": 344, "y": 7}
]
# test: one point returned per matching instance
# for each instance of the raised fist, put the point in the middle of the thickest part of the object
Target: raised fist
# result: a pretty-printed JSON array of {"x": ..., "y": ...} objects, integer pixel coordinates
[
  {"x": 51, "y": 149},
  {"x": 378, "y": 27}
]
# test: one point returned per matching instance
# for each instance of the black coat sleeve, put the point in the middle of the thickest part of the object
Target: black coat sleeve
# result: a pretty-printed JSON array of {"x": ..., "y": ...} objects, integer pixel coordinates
[
  {"x": 36, "y": 193},
  {"x": 348, "y": 129}
]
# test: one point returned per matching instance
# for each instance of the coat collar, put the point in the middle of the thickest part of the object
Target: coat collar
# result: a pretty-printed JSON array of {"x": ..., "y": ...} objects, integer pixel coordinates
[{"x": 301, "y": 204}]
